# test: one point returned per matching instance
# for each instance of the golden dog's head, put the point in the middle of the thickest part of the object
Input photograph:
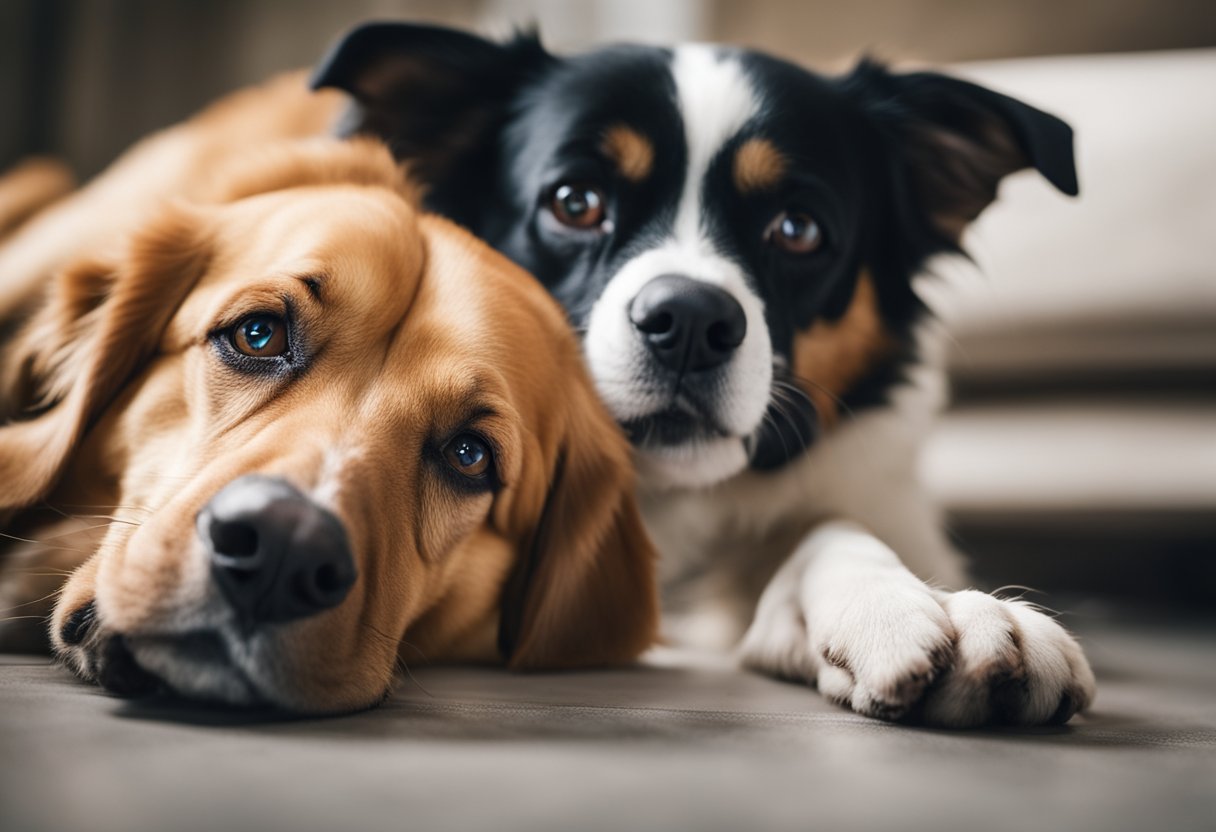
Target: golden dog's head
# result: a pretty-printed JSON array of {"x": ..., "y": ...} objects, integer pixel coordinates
[{"x": 326, "y": 424}]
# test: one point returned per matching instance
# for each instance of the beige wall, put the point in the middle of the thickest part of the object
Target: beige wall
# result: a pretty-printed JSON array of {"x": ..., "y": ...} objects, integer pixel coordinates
[
  {"x": 829, "y": 31},
  {"x": 84, "y": 78}
]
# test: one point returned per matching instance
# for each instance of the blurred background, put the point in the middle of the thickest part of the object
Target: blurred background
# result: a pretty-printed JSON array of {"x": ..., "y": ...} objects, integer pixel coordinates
[
  {"x": 90, "y": 76},
  {"x": 1080, "y": 454}
]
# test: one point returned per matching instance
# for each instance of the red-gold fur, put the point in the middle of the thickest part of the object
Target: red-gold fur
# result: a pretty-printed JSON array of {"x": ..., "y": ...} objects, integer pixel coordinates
[{"x": 421, "y": 331}]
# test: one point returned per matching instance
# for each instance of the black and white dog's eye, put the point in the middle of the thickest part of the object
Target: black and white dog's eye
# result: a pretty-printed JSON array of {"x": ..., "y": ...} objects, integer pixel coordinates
[
  {"x": 469, "y": 454},
  {"x": 260, "y": 336},
  {"x": 577, "y": 206},
  {"x": 794, "y": 233}
]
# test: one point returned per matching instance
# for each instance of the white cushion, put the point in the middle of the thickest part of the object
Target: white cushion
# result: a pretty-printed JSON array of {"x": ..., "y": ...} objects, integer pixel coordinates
[{"x": 1135, "y": 254}]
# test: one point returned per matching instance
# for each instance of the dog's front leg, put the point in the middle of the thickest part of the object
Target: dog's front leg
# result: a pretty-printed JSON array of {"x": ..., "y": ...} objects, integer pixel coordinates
[{"x": 846, "y": 615}]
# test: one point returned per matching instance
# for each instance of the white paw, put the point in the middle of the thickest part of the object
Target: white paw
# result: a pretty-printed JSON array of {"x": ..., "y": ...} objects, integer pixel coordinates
[
  {"x": 875, "y": 649},
  {"x": 1013, "y": 665},
  {"x": 893, "y": 649}
]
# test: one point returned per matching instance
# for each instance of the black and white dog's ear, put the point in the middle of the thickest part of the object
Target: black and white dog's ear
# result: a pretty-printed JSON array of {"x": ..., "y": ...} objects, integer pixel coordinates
[
  {"x": 431, "y": 93},
  {"x": 957, "y": 140}
]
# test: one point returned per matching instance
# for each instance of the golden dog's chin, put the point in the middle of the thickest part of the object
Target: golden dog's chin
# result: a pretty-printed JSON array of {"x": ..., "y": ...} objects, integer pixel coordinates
[
  {"x": 197, "y": 666},
  {"x": 173, "y": 612},
  {"x": 226, "y": 669}
]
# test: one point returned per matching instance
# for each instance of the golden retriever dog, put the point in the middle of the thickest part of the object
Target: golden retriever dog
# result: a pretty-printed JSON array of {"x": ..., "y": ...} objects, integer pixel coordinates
[{"x": 288, "y": 432}]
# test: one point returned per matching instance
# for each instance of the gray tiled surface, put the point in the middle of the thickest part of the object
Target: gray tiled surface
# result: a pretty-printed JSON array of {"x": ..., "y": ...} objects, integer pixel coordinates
[{"x": 684, "y": 743}]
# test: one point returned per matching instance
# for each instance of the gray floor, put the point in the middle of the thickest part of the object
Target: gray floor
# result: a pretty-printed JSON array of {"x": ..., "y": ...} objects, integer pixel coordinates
[{"x": 686, "y": 742}]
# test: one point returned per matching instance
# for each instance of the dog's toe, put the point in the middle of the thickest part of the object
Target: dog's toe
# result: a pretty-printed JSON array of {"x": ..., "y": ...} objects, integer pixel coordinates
[
  {"x": 892, "y": 652},
  {"x": 1014, "y": 666},
  {"x": 895, "y": 695}
]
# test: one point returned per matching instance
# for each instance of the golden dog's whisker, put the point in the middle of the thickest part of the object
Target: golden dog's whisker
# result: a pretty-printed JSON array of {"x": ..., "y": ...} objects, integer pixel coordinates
[
  {"x": 182, "y": 477},
  {"x": 67, "y": 515},
  {"x": 7, "y": 536},
  {"x": 47, "y": 573},
  {"x": 35, "y": 601},
  {"x": 72, "y": 532},
  {"x": 8, "y": 618},
  {"x": 82, "y": 517},
  {"x": 109, "y": 517},
  {"x": 410, "y": 674},
  {"x": 96, "y": 506},
  {"x": 399, "y": 660},
  {"x": 18, "y": 539},
  {"x": 406, "y": 667},
  {"x": 417, "y": 650}
]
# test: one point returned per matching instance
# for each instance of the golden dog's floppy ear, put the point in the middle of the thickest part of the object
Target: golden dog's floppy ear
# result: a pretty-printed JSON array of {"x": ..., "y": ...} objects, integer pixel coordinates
[
  {"x": 585, "y": 595},
  {"x": 100, "y": 323}
]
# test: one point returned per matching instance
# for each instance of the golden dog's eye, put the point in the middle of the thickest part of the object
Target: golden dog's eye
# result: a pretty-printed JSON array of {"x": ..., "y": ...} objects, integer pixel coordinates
[
  {"x": 261, "y": 336},
  {"x": 578, "y": 206},
  {"x": 794, "y": 233},
  {"x": 469, "y": 455}
]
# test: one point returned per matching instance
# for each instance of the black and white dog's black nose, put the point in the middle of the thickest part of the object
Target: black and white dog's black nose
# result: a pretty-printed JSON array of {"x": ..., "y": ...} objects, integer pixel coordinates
[
  {"x": 689, "y": 325},
  {"x": 275, "y": 554}
]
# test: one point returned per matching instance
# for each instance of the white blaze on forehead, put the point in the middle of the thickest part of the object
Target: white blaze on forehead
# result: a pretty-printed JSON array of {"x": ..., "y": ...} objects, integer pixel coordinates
[
  {"x": 335, "y": 467},
  {"x": 716, "y": 100}
]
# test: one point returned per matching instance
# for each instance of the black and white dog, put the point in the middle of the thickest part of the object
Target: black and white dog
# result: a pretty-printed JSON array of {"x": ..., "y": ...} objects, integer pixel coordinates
[{"x": 736, "y": 239}]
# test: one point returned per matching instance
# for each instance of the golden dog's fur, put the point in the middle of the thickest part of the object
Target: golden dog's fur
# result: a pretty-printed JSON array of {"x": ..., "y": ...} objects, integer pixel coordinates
[
  {"x": 182, "y": 161},
  {"x": 29, "y": 187},
  {"x": 127, "y": 421}
]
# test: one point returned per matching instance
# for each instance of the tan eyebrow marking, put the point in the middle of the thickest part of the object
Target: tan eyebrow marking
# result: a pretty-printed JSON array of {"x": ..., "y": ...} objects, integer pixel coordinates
[
  {"x": 630, "y": 151},
  {"x": 759, "y": 165}
]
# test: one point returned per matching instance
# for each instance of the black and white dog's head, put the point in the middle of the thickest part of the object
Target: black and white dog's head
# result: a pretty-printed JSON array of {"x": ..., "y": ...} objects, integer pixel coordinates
[{"x": 735, "y": 237}]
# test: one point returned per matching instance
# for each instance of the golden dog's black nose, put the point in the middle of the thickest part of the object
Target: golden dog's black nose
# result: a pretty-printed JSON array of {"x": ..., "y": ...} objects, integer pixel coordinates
[{"x": 275, "y": 554}]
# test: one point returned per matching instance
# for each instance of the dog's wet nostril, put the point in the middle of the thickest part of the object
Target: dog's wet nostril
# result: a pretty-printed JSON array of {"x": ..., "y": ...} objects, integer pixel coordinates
[
  {"x": 325, "y": 584},
  {"x": 326, "y": 579},
  {"x": 234, "y": 539},
  {"x": 656, "y": 324},
  {"x": 725, "y": 335},
  {"x": 79, "y": 624}
]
